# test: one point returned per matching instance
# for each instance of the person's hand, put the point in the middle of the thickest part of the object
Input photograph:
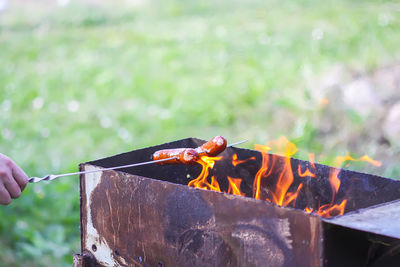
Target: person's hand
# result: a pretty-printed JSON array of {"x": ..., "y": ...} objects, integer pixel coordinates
[{"x": 12, "y": 180}]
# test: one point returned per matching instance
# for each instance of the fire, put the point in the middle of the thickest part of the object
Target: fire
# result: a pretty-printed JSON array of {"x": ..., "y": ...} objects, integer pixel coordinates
[
  {"x": 311, "y": 157},
  {"x": 234, "y": 186},
  {"x": 308, "y": 209},
  {"x": 274, "y": 180},
  {"x": 286, "y": 178},
  {"x": 334, "y": 180},
  {"x": 282, "y": 146},
  {"x": 236, "y": 161},
  {"x": 340, "y": 160},
  {"x": 371, "y": 161},
  {"x": 332, "y": 209},
  {"x": 290, "y": 198},
  {"x": 201, "y": 181},
  {"x": 306, "y": 173},
  {"x": 214, "y": 184},
  {"x": 280, "y": 195},
  {"x": 262, "y": 172},
  {"x": 323, "y": 102},
  {"x": 329, "y": 210}
]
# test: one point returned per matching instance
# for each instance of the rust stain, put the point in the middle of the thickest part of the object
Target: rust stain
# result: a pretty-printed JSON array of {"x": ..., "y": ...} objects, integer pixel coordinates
[
  {"x": 145, "y": 222},
  {"x": 109, "y": 217}
]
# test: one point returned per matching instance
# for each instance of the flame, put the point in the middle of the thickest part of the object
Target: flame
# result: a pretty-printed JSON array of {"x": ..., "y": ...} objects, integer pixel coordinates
[
  {"x": 261, "y": 148},
  {"x": 308, "y": 209},
  {"x": 311, "y": 157},
  {"x": 280, "y": 195},
  {"x": 234, "y": 186},
  {"x": 283, "y": 184},
  {"x": 279, "y": 191},
  {"x": 201, "y": 181},
  {"x": 306, "y": 173},
  {"x": 334, "y": 180},
  {"x": 369, "y": 160},
  {"x": 281, "y": 146},
  {"x": 329, "y": 210},
  {"x": 236, "y": 162},
  {"x": 286, "y": 178},
  {"x": 323, "y": 102},
  {"x": 339, "y": 160},
  {"x": 263, "y": 171},
  {"x": 290, "y": 198},
  {"x": 214, "y": 184}
]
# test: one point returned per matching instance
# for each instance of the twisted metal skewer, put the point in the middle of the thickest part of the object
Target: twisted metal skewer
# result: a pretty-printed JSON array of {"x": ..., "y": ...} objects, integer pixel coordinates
[{"x": 51, "y": 177}]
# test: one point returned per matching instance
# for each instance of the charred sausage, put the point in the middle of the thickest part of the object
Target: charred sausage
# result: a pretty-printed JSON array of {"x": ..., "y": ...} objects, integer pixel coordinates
[
  {"x": 180, "y": 155},
  {"x": 213, "y": 147}
]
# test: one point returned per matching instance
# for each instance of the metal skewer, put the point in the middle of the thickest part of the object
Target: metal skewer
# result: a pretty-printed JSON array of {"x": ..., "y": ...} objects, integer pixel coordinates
[
  {"x": 237, "y": 143},
  {"x": 55, "y": 176}
]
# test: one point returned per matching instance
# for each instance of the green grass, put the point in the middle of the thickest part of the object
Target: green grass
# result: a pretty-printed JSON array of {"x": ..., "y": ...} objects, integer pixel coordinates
[{"x": 84, "y": 82}]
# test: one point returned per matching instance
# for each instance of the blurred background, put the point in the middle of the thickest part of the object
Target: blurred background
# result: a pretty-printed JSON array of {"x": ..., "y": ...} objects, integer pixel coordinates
[{"x": 82, "y": 80}]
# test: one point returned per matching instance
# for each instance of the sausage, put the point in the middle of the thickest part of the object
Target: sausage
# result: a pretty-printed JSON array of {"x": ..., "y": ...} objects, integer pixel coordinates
[
  {"x": 190, "y": 155},
  {"x": 213, "y": 147},
  {"x": 183, "y": 155}
]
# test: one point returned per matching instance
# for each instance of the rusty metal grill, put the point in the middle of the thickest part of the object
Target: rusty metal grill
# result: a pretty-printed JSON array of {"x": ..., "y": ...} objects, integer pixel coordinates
[{"x": 148, "y": 216}]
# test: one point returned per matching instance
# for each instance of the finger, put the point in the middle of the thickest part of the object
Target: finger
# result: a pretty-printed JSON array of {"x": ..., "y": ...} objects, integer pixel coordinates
[
  {"x": 5, "y": 197},
  {"x": 19, "y": 175},
  {"x": 12, "y": 187}
]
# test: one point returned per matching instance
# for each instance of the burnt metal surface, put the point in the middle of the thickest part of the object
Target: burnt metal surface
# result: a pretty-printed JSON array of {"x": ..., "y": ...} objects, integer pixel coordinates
[
  {"x": 148, "y": 216},
  {"x": 361, "y": 190},
  {"x": 84, "y": 259},
  {"x": 147, "y": 222},
  {"x": 381, "y": 219}
]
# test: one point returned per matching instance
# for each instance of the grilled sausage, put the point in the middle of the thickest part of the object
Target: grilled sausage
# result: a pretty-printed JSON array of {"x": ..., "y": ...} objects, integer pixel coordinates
[
  {"x": 182, "y": 155},
  {"x": 190, "y": 155},
  {"x": 213, "y": 147}
]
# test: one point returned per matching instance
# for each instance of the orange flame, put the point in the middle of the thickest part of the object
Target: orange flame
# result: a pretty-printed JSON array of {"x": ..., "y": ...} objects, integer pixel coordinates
[
  {"x": 286, "y": 178},
  {"x": 334, "y": 180},
  {"x": 306, "y": 173},
  {"x": 261, "y": 148},
  {"x": 234, "y": 186},
  {"x": 214, "y": 184},
  {"x": 311, "y": 157},
  {"x": 329, "y": 210},
  {"x": 280, "y": 194},
  {"x": 236, "y": 161},
  {"x": 290, "y": 198},
  {"x": 332, "y": 209},
  {"x": 283, "y": 184},
  {"x": 308, "y": 209},
  {"x": 201, "y": 181},
  {"x": 263, "y": 171},
  {"x": 369, "y": 160},
  {"x": 323, "y": 102},
  {"x": 340, "y": 160}
]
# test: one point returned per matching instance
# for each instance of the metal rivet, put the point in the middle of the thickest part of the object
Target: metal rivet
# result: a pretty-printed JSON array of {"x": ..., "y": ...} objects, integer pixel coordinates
[{"x": 94, "y": 248}]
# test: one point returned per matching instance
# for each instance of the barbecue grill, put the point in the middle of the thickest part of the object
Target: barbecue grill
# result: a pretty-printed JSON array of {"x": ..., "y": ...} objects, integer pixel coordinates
[{"x": 148, "y": 216}]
